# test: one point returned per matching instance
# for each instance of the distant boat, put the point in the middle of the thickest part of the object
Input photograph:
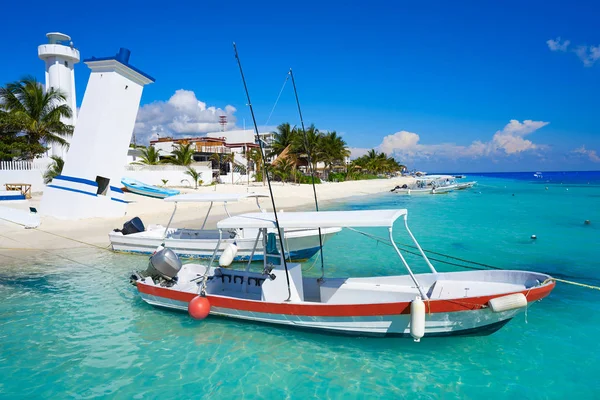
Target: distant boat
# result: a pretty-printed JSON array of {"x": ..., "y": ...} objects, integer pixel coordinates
[
  {"x": 538, "y": 175},
  {"x": 138, "y": 187}
]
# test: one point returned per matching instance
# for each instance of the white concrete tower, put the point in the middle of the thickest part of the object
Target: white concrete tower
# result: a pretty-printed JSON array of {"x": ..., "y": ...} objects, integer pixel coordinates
[
  {"x": 91, "y": 178},
  {"x": 60, "y": 59}
]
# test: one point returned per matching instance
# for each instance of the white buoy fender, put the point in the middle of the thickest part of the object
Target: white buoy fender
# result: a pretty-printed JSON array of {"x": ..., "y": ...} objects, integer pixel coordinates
[
  {"x": 228, "y": 255},
  {"x": 510, "y": 302},
  {"x": 417, "y": 319}
]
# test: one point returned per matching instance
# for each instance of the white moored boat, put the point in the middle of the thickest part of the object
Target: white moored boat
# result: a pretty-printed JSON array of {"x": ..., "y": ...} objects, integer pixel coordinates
[
  {"x": 427, "y": 304},
  {"x": 200, "y": 243}
]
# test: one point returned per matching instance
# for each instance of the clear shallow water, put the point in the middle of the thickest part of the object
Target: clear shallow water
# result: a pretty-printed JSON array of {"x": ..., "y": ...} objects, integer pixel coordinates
[{"x": 72, "y": 331}]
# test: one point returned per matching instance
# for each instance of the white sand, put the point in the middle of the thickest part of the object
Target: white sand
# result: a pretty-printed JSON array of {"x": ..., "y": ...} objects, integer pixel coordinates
[{"x": 94, "y": 231}]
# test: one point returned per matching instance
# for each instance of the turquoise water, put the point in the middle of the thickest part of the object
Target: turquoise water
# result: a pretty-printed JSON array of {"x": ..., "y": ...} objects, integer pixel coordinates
[{"x": 74, "y": 331}]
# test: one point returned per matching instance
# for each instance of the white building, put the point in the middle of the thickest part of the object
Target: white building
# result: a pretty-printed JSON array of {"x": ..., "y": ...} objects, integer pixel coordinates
[
  {"x": 90, "y": 182},
  {"x": 60, "y": 57}
]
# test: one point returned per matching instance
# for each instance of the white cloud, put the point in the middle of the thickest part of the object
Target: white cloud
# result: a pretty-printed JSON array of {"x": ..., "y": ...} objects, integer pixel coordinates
[
  {"x": 510, "y": 138},
  {"x": 356, "y": 152},
  {"x": 588, "y": 54},
  {"x": 505, "y": 142},
  {"x": 591, "y": 154},
  {"x": 182, "y": 115},
  {"x": 558, "y": 44}
]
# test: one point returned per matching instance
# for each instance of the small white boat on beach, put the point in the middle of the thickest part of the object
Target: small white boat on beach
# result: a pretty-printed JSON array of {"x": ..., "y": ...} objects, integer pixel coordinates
[
  {"x": 417, "y": 305},
  {"x": 143, "y": 189},
  {"x": 200, "y": 243}
]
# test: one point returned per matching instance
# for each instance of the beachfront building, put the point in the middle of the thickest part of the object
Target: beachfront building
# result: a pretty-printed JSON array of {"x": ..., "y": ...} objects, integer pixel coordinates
[{"x": 225, "y": 144}]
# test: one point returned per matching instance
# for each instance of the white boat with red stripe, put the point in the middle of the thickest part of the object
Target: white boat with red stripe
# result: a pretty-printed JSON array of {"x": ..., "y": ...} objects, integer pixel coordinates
[{"x": 417, "y": 305}]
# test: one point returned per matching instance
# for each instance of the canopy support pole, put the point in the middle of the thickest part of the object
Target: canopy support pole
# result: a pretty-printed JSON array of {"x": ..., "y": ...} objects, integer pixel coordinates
[
  {"x": 253, "y": 251},
  {"x": 258, "y": 204},
  {"x": 418, "y": 246},
  {"x": 170, "y": 220},
  {"x": 414, "y": 279},
  {"x": 214, "y": 254},
  {"x": 207, "y": 214}
]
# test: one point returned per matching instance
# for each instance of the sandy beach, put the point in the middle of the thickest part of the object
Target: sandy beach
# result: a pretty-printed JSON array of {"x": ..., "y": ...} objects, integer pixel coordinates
[{"x": 54, "y": 234}]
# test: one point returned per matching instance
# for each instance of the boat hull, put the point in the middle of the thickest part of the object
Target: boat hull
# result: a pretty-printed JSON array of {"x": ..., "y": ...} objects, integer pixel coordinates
[
  {"x": 301, "y": 244},
  {"x": 464, "y": 316}
]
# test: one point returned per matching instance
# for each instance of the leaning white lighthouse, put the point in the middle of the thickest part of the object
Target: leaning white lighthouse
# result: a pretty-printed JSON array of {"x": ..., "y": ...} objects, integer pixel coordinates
[{"x": 60, "y": 57}]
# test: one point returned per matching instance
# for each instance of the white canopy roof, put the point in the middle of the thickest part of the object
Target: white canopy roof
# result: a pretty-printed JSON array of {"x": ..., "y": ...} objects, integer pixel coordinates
[
  {"x": 211, "y": 197},
  {"x": 322, "y": 219}
]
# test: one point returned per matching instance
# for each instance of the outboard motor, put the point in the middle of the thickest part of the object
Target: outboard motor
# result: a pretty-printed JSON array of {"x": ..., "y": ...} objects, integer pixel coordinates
[
  {"x": 134, "y": 225},
  {"x": 164, "y": 264}
]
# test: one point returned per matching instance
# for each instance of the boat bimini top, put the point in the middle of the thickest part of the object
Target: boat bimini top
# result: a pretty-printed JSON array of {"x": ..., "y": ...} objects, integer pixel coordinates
[
  {"x": 313, "y": 219},
  {"x": 210, "y": 198},
  {"x": 330, "y": 219}
]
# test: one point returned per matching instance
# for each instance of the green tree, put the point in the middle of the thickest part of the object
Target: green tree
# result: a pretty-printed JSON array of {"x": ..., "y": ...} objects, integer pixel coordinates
[
  {"x": 54, "y": 169},
  {"x": 309, "y": 145},
  {"x": 150, "y": 156},
  {"x": 256, "y": 156},
  {"x": 183, "y": 154},
  {"x": 283, "y": 169},
  {"x": 194, "y": 175},
  {"x": 282, "y": 138},
  {"x": 333, "y": 150},
  {"x": 32, "y": 118},
  {"x": 230, "y": 158}
]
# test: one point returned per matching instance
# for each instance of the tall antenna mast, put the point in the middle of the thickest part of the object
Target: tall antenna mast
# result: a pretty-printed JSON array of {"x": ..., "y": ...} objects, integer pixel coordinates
[
  {"x": 312, "y": 172},
  {"x": 287, "y": 277}
]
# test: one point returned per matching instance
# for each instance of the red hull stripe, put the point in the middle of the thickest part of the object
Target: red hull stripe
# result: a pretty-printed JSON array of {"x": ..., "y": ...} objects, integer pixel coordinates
[{"x": 340, "y": 310}]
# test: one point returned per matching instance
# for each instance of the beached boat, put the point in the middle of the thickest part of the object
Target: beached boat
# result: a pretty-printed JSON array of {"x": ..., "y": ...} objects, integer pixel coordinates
[
  {"x": 200, "y": 243},
  {"x": 417, "y": 305},
  {"x": 138, "y": 187}
]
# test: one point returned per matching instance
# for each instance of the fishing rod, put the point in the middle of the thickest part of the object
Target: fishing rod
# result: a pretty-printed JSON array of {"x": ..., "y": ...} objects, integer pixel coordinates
[
  {"x": 262, "y": 153},
  {"x": 312, "y": 172}
]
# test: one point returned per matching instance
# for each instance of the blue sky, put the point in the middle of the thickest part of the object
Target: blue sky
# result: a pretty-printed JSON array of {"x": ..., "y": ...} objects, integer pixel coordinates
[{"x": 437, "y": 84}]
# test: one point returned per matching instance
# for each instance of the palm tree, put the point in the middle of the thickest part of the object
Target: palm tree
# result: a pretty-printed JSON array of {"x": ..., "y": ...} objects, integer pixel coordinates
[
  {"x": 194, "y": 175},
  {"x": 309, "y": 146},
  {"x": 256, "y": 156},
  {"x": 35, "y": 114},
  {"x": 230, "y": 158},
  {"x": 377, "y": 163},
  {"x": 284, "y": 136},
  {"x": 150, "y": 156},
  {"x": 183, "y": 154},
  {"x": 54, "y": 169},
  {"x": 283, "y": 168},
  {"x": 333, "y": 150}
]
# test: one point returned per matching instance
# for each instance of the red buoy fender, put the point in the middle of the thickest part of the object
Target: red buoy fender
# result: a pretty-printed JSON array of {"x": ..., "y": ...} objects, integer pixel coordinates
[{"x": 199, "y": 307}]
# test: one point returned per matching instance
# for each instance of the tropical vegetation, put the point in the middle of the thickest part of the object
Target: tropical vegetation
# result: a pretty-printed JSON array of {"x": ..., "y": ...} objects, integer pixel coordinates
[
  {"x": 194, "y": 175},
  {"x": 297, "y": 151},
  {"x": 30, "y": 119},
  {"x": 54, "y": 169},
  {"x": 182, "y": 154},
  {"x": 150, "y": 156}
]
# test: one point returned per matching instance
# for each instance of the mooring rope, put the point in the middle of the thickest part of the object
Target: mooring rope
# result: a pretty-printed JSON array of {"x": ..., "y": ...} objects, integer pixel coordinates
[{"x": 386, "y": 242}]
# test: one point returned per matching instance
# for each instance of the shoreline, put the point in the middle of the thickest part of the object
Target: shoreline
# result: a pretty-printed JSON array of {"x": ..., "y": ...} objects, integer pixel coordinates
[{"x": 55, "y": 234}]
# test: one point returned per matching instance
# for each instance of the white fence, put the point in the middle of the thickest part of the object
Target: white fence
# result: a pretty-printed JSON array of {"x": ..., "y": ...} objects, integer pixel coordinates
[{"x": 41, "y": 165}]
